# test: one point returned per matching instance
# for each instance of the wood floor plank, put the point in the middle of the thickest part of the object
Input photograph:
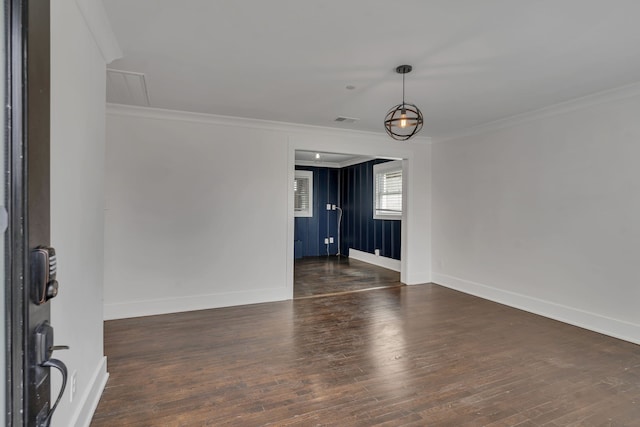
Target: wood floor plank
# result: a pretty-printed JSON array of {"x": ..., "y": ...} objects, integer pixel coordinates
[
  {"x": 415, "y": 356},
  {"x": 314, "y": 276}
]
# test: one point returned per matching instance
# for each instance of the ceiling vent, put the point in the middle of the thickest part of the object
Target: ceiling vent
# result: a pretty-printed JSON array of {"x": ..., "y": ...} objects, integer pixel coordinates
[
  {"x": 343, "y": 119},
  {"x": 127, "y": 87}
]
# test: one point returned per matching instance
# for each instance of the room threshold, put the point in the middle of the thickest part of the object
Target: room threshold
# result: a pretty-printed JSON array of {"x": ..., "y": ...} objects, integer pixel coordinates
[{"x": 332, "y": 294}]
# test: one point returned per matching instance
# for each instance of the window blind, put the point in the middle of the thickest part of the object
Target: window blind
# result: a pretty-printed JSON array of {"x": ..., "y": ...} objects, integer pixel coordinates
[
  {"x": 301, "y": 194},
  {"x": 388, "y": 185}
]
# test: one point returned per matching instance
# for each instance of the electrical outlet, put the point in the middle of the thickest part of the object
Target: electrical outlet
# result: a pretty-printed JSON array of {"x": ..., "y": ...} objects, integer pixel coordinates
[
  {"x": 333, "y": 207},
  {"x": 326, "y": 240},
  {"x": 73, "y": 385},
  {"x": 377, "y": 252},
  {"x": 330, "y": 239},
  {"x": 328, "y": 206}
]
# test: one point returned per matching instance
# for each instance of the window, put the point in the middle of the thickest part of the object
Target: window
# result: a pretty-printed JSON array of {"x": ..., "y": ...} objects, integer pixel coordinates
[
  {"x": 303, "y": 193},
  {"x": 387, "y": 196}
]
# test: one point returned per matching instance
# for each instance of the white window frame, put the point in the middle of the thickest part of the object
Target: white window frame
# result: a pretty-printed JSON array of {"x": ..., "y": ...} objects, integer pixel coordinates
[
  {"x": 382, "y": 168},
  {"x": 309, "y": 176}
]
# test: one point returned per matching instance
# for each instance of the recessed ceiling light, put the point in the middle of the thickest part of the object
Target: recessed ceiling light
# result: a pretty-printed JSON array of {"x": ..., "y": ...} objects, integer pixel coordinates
[
  {"x": 350, "y": 87},
  {"x": 317, "y": 155}
]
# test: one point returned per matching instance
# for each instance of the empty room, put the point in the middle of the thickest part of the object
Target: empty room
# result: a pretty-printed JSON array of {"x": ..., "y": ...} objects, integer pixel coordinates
[{"x": 329, "y": 213}]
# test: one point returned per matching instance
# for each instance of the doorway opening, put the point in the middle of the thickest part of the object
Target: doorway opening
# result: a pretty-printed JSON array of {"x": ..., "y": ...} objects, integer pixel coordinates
[{"x": 347, "y": 223}]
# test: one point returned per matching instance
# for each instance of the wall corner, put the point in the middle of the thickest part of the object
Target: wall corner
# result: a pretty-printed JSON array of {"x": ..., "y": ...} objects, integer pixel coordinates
[{"x": 97, "y": 21}]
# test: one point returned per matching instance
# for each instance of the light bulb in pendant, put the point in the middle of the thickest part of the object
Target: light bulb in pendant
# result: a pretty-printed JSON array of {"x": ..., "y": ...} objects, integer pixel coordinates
[{"x": 403, "y": 119}]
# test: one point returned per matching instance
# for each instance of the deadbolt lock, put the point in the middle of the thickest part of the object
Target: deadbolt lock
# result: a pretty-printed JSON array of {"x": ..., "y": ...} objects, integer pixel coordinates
[{"x": 44, "y": 267}]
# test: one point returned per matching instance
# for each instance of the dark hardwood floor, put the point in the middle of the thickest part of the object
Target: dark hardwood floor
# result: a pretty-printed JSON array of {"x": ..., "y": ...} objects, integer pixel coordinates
[
  {"x": 315, "y": 276},
  {"x": 410, "y": 355}
]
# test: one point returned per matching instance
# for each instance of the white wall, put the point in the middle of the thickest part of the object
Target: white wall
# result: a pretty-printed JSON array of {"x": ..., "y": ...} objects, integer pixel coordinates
[
  {"x": 544, "y": 214},
  {"x": 77, "y": 200},
  {"x": 199, "y": 208}
]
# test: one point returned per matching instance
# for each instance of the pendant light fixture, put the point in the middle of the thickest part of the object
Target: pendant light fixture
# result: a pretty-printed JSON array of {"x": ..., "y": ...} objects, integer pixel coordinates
[{"x": 404, "y": 120}]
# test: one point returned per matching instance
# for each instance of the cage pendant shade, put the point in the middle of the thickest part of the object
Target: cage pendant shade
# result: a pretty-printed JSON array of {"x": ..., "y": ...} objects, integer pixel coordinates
[{"x": 403, "y": 120}]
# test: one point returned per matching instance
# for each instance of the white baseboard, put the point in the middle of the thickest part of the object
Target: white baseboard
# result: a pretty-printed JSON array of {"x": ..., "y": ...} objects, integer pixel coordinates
[
  {"x": 595, "y": 322},
  {"x": 380, "y": 261},
  {"x": 417, "y": 276},
  {"x": 191, "y": 303},
  {"x": 89, "y": 402}
]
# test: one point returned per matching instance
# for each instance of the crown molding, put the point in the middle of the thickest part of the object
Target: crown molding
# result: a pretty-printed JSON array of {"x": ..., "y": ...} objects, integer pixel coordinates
[
  {"x": 311, "y": 163},
  {"x": 97, "y": 21},
  {"x": 583, "y": 102},
  {"x": 334, "y": 165},
  {"x": 186, "y": 116}
]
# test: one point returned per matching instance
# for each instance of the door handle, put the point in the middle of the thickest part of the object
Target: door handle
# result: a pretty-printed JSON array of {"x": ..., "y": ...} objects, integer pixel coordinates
[
  {"x": 59, "y": 365},
  {"x": 44, "y": 348}
]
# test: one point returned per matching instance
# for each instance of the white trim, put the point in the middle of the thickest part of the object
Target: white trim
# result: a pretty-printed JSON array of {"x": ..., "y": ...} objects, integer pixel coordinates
[
  {"x": 85, "y": 411},
  {"x": 414, "y": 261},
  {"x": 98, "y": 23},
  {"x": 603, "y": 97},
  {"x": 335, "y": 165},
  {"x": 152, "y": 307},
  {"x": 317, "y": 164},
  {"x": 291, "y": 157},
  {"x": 380, "y": 261},
  {"x": 185, "y": 116},
  {"x": 595, "y": 322}
]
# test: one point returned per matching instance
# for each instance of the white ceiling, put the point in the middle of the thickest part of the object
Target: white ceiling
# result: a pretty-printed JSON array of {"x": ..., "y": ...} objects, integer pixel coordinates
[{"x": 291, "y": 60}]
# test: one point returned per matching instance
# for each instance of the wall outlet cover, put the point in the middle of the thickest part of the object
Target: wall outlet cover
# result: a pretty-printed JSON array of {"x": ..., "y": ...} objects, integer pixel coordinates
[
  {"x": 326, "y": 240},
  {"x": 330, "y": 239}
]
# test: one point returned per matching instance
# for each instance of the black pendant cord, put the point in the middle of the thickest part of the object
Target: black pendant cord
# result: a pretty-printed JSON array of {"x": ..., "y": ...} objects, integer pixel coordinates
[{"x": 403, "y": 88}]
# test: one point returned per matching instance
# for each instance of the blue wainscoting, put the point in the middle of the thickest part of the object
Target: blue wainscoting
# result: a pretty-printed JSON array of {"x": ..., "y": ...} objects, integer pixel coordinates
[
  {"x": 311, "y": 231},
  {"x": 352, "y": 189},
  {"x": 359, "y": 230}
]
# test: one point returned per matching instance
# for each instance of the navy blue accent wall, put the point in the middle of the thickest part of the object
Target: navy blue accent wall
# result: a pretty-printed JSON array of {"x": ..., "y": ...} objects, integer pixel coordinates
[
  {"x": 359, "y": 230},
  {"x": 352, "y": 189},
  {"x": 311, "y": 231}
]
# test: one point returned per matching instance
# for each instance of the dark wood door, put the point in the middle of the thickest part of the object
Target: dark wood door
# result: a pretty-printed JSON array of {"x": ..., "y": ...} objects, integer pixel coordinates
[
  {"x": 31, "y": 278},
  {"x": 38, "y": 393}
]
